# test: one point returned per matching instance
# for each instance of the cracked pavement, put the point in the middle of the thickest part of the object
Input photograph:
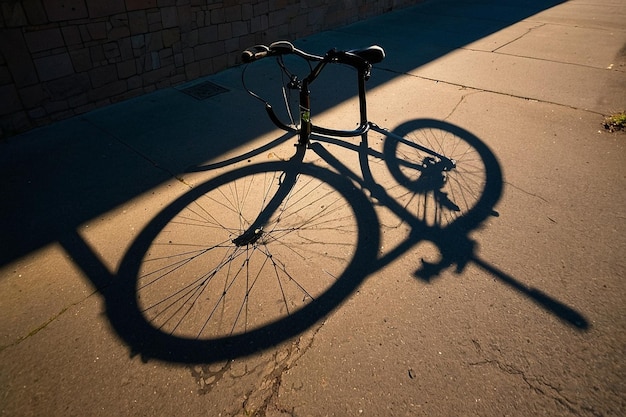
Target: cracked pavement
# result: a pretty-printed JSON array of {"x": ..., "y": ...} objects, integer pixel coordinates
[{"x": 533, "y": 324}]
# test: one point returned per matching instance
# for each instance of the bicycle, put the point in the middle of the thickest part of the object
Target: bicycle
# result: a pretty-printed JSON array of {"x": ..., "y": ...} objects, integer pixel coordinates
[{"x": 261, "y": 253}]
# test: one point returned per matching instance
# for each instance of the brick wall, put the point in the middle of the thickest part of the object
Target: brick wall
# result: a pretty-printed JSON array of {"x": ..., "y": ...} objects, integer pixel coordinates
[{"x": 59, "y": 58}]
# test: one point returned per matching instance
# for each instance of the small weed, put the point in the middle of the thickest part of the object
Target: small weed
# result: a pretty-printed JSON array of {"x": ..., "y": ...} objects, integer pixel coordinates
[{"x": 615, "y": 122}]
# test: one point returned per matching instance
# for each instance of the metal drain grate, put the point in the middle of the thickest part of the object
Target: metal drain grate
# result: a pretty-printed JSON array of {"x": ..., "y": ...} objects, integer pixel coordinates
[{"x": 204, "y": 90}]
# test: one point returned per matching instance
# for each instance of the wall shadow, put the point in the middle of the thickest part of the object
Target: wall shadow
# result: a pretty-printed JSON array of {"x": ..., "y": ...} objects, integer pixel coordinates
[{"x": 58, "y": 177}]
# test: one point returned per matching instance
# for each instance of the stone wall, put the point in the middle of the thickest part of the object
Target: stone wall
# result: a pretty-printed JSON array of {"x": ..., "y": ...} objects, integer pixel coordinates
[{"x": 59, "y": 58}]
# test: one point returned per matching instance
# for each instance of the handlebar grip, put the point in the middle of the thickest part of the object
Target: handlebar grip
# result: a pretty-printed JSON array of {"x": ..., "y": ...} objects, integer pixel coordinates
[
  {"x": 254, "y": 53},
  {"x": 282, "y": 47}
]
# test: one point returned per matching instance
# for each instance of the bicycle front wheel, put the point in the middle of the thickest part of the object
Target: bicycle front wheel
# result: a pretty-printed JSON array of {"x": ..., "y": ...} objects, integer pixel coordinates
[
  {"x": 198, "y": 279},
  {"x": 461, "y": 189}
]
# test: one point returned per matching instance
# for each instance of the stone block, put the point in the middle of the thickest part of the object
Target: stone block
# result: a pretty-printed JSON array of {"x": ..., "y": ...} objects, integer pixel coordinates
[
  {"x": 217, "y": 16},
  {"x": 126, "y": 49},
  {"x": 261, "y": 9},
  {"x": 232, "y": 45},
  {"x": 169, "y": 17},
  {"x": 134, "y": 82},
  {"x": 37, "y": 113},
  {"x": 154, "y": 41},
  {"x": 206, "y": 66},
  {"x": 184, "y": 18},
  {"x": 179, "y": 60},
  {"x": 97, "y": 30},
  {"x": 224, "y": 31},
  {"x": 232, "y": 13},
  {"x": 137, "y": 41},
  {"x": 152, "y": 61},
  {"x": 104, "y": 75},
  {"x": 111, "y": 51},
  {"x": 106, "y": 91},
  {"x": 170, "y": 37},
  {"x": 118, "y": 32},
  {"x": 54, "y": 66},
  {"x": 35, "y": 13},
  {"x": 188, "y": 55},
  {"x": 97, "y": 54},
  {"x": 5, "y": 75},
  {"x": 13, "y": 14},
  {"x": 198, "y": 18},
  {"x": 43, "y": 40},
  {"x": 192, "y": 70},
  {"x": 259, "y": 24},
  {"x": 78, "y": 100},
  {"x": 239, "y": 29},
  {"x": 72, "y": 85},
  {"x": 126, "y": 69},
  {"x": 56, "y": 106},
  {"x": 202, "y": 51},
  {"x": 99, "y": 8},
  {"x": 32, "y": 96},
  {"x": 277, "y": 18},
  {"x": 152, "y": 77},
  {"x": 247, "y": 11},
  {"x": 84, "y": 108},
  {"x": 61, "y": 10},
  {"x": 14, "y": 123},
  {"x": 207, "y": 34},
  {"x": 10, "y": 102},
  {"x": 178, "y": 79},
  {"x": 220, "y": 62},
  {"x": 137, "y": 22},
  {"x": 153, "y": 17},
  {"x": 155, "y": 27},
  {"x": 71, "y": 35},
  {"x": 81, "y": 59},
  {"x": 140, "y": 4},
  {"x": 189, "y": 39},
  {"x": 61, "y": 115}
]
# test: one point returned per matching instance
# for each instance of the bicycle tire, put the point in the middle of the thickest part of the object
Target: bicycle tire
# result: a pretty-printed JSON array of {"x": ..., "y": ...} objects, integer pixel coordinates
[
  {"x": 462, "y": 196},
  {"x": 310, "y": 256}
]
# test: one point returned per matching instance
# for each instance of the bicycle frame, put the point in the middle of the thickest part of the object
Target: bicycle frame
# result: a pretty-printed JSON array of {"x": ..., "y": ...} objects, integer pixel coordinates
[
  {"x": 306, "y": 125},
  {"x": 354, "y": 58}
]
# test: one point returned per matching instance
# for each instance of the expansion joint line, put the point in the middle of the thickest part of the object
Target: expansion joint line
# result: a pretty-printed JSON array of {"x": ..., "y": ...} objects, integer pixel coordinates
[{"x": 139, "y": 153}]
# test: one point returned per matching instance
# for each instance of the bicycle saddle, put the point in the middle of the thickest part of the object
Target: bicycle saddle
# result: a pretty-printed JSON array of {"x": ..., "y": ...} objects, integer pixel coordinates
[{"x": 372, "y": 54}]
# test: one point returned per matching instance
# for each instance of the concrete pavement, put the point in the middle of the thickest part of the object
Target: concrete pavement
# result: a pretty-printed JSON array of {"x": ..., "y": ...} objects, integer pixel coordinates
[{"x": 534, "y": 325}]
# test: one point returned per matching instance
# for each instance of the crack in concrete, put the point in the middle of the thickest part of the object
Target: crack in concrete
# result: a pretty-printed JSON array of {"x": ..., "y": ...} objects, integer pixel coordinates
[
  {"x": 538, "y": 384},
  {"x": 526, "y": 192},
  {"x": 45, "y": 324},
  {"x": 461, "y": 100},
  {"x": 267, "y": 393},
  {"x": 519, "y": 37}
]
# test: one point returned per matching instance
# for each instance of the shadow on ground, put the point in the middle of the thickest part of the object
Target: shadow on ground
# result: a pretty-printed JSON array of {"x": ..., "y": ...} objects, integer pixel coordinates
[
  {"x": 58, "y": 177},
  {"x": 155, "y": 337}
]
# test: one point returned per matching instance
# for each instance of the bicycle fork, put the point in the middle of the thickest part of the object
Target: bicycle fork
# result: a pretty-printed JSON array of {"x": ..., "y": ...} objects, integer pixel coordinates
[
  {"x": 305, "y": 114},
  {"x": 286, "y": 183}
]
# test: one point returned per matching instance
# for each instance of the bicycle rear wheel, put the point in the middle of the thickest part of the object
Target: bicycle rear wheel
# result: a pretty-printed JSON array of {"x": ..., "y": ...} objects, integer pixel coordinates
[
  {"x": 197, "y": 280},
  {"x": 437, "y": 194}
]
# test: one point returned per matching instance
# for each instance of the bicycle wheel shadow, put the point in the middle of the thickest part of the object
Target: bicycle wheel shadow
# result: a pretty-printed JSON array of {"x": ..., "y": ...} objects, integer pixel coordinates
[
  {"x": 457, "y": 250},
  {"x": 150, "y": 340}
]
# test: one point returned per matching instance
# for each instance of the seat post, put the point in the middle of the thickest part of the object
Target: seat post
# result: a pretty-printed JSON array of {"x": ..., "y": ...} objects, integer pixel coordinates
[
  {"x": 362, "y": 97},
  {"x": 305, "y": 113}
]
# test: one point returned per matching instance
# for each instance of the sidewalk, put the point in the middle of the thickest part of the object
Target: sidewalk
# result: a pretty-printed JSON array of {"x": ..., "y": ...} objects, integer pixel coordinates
[{"x": 532, "y": 82}]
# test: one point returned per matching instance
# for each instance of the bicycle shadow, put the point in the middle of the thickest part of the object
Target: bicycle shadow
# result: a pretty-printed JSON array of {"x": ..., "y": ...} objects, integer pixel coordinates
[{"x": 457, "y": 249}]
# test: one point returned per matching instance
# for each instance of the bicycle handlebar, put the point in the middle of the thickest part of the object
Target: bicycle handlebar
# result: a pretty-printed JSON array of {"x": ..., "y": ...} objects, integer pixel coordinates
[
  {"x": 275, "y": 49},
  {"x": 362, "y": 59}
]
